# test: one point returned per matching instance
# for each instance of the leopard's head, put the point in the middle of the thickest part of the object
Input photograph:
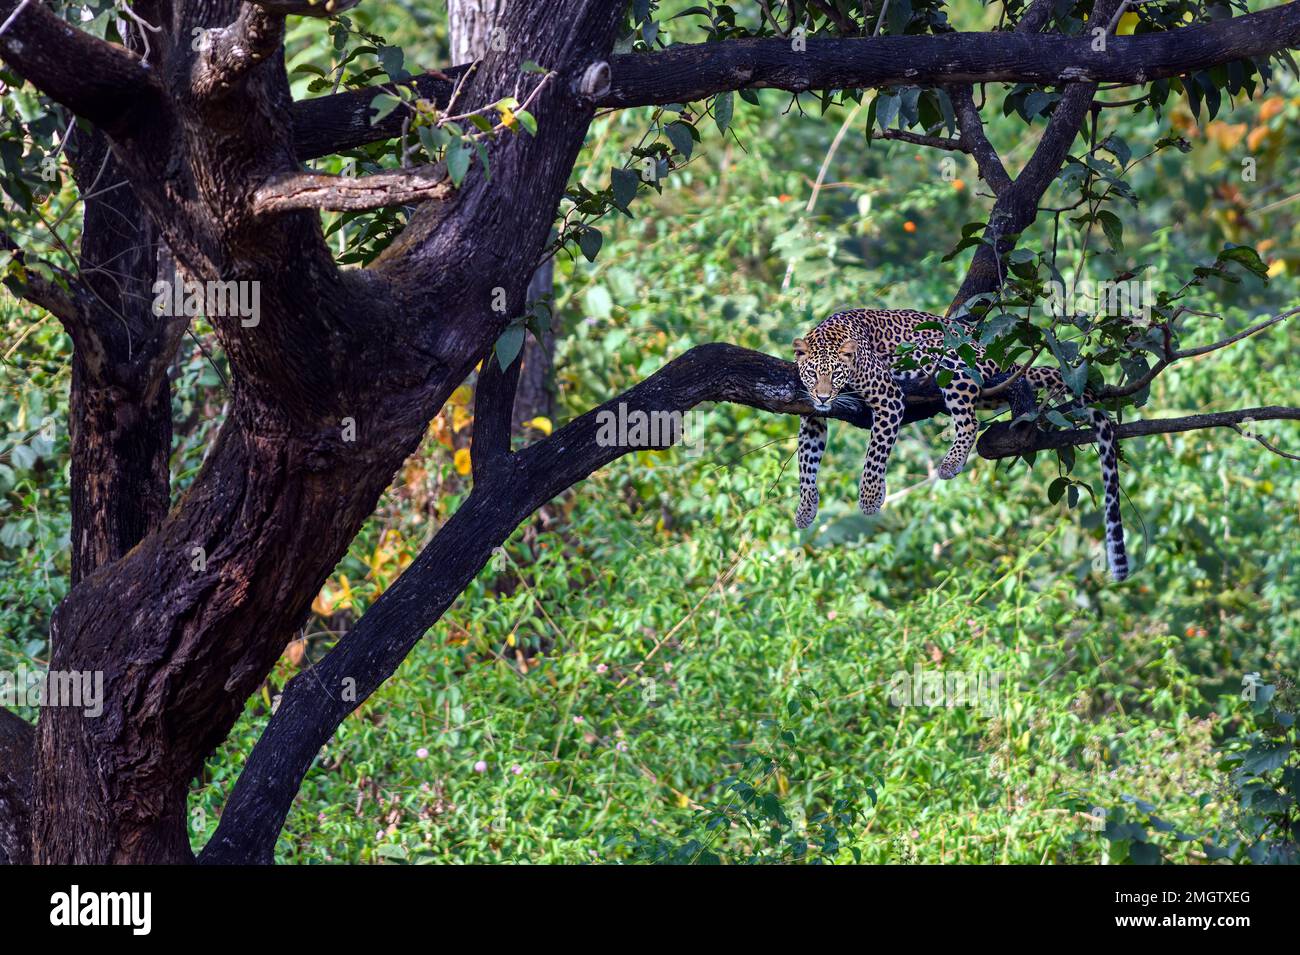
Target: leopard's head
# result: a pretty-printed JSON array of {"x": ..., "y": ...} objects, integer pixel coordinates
[{"x": 824, "y": 367}]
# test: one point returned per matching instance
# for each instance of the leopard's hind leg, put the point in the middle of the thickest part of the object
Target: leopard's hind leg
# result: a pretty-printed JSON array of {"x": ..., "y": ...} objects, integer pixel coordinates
[
  {"x": 812, "y": 445},
  {"x": 959, "y": 397}
]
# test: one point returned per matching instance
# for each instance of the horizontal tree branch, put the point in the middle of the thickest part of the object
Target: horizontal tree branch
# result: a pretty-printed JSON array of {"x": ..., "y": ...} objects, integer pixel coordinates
[
  {"x": 328, "y": 124},
  {"x": 352, "y": 193},
  {"x": 692, "y": 72},
  {"x": 97, "y": 80},
  {"x": 306, "y": 8},
  {"x": 1003, "y": 440},
  {"x": 921, "y": 139}
]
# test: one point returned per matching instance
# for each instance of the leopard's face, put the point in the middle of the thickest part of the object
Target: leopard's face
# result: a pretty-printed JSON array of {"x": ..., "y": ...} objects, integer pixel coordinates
[{"x": 825, "y": 368}]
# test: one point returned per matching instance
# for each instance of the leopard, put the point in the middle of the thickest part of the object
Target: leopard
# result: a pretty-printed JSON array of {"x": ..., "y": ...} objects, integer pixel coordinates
[{"x": 863, "y": 354}]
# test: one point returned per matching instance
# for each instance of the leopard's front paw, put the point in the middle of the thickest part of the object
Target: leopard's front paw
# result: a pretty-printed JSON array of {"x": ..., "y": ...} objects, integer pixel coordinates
[
  {"x": 872, "y": 497},
  {"x": 807, "y": 511},
  {"x": 951, "y": 466}
]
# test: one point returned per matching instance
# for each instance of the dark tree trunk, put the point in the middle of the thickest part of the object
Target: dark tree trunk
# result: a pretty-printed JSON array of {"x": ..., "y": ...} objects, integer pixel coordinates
[{"x": 472, "y": 23}]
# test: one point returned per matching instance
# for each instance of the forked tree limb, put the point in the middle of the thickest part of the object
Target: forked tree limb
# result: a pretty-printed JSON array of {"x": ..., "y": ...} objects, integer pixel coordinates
[{"x": 97, "y": 80}]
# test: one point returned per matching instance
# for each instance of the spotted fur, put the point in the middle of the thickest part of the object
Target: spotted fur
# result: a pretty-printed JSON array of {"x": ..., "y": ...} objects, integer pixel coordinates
[{"x": 857, "y": 353}]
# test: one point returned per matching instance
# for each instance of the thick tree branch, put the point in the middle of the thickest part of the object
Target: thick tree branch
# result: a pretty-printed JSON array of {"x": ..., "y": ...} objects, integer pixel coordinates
[
  {"x": 16, "y": 758},
  {"x": 305, "y": 8},
  {"x": 315, "y": 703},
  {"x": 1016, "y": 207},
  {"x": 494, "y": 399},
  {"x": 687, "y": 73},
  {"x": 229, "y": 53},
  {"x": 691, "y": 72},
  {"x": 99, "y": 81},
  {"x": 311, "y": 190}
]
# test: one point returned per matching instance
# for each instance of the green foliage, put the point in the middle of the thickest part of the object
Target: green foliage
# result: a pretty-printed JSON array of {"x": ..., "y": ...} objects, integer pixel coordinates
[{"x": 663, "y": 668}]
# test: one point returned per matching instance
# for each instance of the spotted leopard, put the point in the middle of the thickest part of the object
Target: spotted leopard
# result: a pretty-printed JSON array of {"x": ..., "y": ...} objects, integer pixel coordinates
[{"x": 857, "y": 352}]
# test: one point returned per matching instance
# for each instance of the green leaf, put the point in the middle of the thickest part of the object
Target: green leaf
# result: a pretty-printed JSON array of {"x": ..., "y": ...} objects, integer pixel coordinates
[
  {"x": 722, "y": 107},
  {"x": 458, "y": 159},
  {"x": 391, "y": 58},
  {"x": 1246, "y": 257},
  {"x": 625, "y": 183},
  {"x": 383, "y": 104},
  {"x": 679, "y": 134},
  {"x": 527, "y": 120},
  {"x": 1265, "y": 757},
  {"x": 1075, "y": 378},
  {"x": 590, "y": 242},
  {"x": 1114, "y": 229},
  {"x": 509, "y": 344}
]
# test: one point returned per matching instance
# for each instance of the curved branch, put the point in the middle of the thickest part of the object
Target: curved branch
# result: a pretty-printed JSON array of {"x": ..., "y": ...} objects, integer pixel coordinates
[
  {"x": 230, "y": 52},
  {"x": 99, "y": 81},
  {"x": 974, "y": 141},
  {"x": 315, "y": 703}
]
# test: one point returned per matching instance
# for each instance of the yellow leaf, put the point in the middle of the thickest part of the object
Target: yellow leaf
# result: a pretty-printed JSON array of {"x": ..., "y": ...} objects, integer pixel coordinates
[
  {"x": 1127, "y": 23},
  {"x": 1276, "y": 268},
  {"x": 540, "y": 424},
  {"x": 462, "y": 461},
  {"x": 323, "y": 605},
  {"x": 507, "y": 117},
  {"x": 461, "y": 396},
  {"x": 460, "y": 418},
  {"x": 345, "y": 594},
  {"x": 683, "y": 801}
]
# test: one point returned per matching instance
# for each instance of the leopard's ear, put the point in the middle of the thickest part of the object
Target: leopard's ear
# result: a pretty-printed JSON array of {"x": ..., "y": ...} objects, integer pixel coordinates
[
  {"x": 849, "y": 348},
  {"x": 800, "y": 348}
]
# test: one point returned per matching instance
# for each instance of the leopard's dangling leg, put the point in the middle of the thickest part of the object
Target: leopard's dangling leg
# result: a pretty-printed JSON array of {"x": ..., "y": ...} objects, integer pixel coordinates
[
  {"x": 812, "y": 444},
  {"x": 959, "y": 397},
  {"x": 886, "y": 418}
]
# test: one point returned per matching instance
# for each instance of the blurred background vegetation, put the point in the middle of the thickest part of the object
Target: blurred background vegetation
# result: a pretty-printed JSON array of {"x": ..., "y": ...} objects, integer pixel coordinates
[{"x": 659, "y": 666}]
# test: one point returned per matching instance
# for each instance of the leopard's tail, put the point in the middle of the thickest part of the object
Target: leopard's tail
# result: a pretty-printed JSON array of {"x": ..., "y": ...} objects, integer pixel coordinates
[
  {"x": 1108, "y": 451},
  {"x": 1042, "y": 377}
]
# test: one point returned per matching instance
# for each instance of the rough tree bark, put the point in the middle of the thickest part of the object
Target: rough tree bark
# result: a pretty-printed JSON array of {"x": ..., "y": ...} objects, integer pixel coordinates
[
  {"x": 336, "y": 379},
  {"x": 470, "y": 26}
]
